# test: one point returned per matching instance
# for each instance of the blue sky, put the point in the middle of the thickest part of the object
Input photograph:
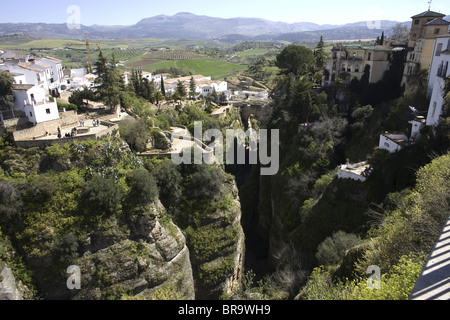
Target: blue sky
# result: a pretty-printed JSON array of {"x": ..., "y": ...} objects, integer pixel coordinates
[{"x": 127, "y": 12}]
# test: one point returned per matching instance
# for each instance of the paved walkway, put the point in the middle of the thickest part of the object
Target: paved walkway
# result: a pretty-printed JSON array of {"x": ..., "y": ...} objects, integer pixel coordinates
[{"x": 434, "y": 281}]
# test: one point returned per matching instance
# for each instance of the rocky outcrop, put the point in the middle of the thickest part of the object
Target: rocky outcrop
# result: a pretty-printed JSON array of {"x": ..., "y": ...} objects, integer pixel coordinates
[
  {"x": 153, "y": 263},
  {"x": 8, "y": 288},
  {"x": 218, "y": 250}
]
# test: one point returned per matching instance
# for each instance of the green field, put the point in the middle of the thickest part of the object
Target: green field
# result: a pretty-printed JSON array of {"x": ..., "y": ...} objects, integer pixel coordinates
[
  {"x": 214, "y": 68},
  {"x": 52, "y": 43}
]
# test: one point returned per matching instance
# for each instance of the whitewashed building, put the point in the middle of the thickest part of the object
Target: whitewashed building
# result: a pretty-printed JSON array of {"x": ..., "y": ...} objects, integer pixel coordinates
[
  {"x": 32, "y": 100},
  {"x": 57, "y": 71},
  {"x": 439, "y": 71},
  {"x": 393, "y": 142},
  {"x": 34, "y": 74},
  {"x": 357, "y": 172}
]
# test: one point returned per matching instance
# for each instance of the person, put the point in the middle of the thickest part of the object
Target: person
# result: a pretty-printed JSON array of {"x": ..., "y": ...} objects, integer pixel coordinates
[
  {"x": 98, "y": 123},
  {"x": 93, "y": 122}
]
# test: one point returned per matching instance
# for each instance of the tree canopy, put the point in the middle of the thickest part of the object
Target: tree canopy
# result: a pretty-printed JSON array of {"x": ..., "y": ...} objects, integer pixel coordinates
[{"x": 297, "y": 60}]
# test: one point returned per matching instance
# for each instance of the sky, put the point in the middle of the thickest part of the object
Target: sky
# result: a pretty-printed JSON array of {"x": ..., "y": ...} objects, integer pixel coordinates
[{"x": 128, "y": 12}]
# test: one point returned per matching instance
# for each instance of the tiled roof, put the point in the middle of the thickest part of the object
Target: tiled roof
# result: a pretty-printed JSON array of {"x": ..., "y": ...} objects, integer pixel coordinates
[
  {"x": 22, "y": 87},
  {"x": 427, "y": 14},
  {"x": 437, "y": 21},
  {"x": 28, "y": 66}
]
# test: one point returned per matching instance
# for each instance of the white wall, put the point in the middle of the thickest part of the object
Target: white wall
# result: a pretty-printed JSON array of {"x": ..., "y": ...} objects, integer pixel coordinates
[
  {"x": 390, "y": 145},
  {"x": 437, "y": 61},
  {"x": 38, "y": 109},
  {"x": 436, "y": 102},
  {"x": 344, "y": 174}
]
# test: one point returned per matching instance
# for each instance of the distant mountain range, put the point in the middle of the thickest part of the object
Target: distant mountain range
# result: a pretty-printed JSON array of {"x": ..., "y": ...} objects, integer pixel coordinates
[{"x": 190, "y": 26}]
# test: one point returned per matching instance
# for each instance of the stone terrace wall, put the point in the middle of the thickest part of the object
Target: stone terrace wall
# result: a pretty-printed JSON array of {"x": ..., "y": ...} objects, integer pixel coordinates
[
  {"x": 67, "y": 118},
  {"x": 113, "y": 129}
]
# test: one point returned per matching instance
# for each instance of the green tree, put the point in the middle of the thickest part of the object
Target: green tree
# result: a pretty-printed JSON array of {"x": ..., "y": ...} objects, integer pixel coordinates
[
  {"x": 6, "y": 91},
  {"x": 297, "y": 60},
  {"x": 205, "y": 182},
  {"x": 143, "y": 187},
  {"x": 102, "y": 196},
  {"x": 169, "y": 183},
  {"x": 192, "y": 89},
  {"x": 181, "y": 90},
  {"x": 320, "y": 54},
  {"x": 109, "y": 81},
  {"x": 163, "y": 88},
  {"x": 333, "y": 249}
]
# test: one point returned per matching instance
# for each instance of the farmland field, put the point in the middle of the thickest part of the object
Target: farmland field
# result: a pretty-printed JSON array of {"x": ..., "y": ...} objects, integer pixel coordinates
[{"x": 217, "y": 69}]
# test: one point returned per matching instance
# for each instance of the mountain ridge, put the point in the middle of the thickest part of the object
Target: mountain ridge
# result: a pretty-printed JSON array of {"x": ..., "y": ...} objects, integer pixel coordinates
[{"x": 185, "y": 25}]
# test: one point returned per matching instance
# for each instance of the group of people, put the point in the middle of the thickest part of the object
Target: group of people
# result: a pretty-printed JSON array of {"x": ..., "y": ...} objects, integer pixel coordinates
[
  {"x": 95, "y": 123},
  {"x": 72, "y": 133}
]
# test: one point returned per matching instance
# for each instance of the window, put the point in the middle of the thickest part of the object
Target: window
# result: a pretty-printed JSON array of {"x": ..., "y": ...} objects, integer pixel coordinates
[
  {"x": 370, "y": 56},
  {"x": 437, "y": 31},
  {"x": 434, "y": 109},
  {"x": 439, "y": 49},
  {"x": 417, "y": 22},
  {"x": 47, "y": 111},
  {"x": 31, "y": 114}
]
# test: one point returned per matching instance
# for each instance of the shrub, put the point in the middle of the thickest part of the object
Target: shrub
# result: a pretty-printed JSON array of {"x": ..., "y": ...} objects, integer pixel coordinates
[
  {"x": 102, "y": 195},
  {"x": 143, "y": 187},
  {"x": 65, "y": 250},
  {"x": 333, "y": 249},
  {"x": 135, "y": 133},
  {"x": 169, "y": 180},
  {"x": 10, "y": 202},
  {"x": 206, "y": 182}
]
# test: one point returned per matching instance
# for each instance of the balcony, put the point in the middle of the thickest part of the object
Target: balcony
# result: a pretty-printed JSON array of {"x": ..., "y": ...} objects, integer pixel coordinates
[{"x": 34, "y": 102}]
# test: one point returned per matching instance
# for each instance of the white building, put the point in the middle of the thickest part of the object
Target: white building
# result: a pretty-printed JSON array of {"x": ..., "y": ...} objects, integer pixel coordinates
[
  {"x": 358, "y": 172},
  {"x": 34, "y": 74},
  {"x": 439, "y": 71},
  {"x": 57, "y": 71},
  {"x": 145, "y": 75},
  {"x": 17, "y": 77},
  {"x": 32, "y": 100},
  {"x": 417, "y": 124},
  {"x": 393, "y": 142},
  {"x": 204, "y": 85}
]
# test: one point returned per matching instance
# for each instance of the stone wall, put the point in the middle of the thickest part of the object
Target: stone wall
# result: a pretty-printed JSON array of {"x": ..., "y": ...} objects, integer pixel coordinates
[
  {"x": 66, "y": 119},
  {"x": 42, "y": 143}
]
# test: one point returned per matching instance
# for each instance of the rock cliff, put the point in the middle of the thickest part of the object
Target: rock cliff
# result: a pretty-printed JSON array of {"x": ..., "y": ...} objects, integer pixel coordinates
[{"x": 8, "y": 287}]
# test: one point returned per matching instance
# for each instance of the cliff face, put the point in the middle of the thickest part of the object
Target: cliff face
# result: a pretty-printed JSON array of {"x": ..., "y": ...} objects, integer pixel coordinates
[
  {"x": 8, "y": 287},
  {"x": 146, "y": 258},
  {"x": 217, "y": 247},
  {"x": 153, "y": 263}
]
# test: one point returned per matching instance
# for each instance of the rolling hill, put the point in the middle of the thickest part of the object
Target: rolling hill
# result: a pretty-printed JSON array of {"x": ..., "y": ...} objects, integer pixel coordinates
[{"x": 190, "y": 26}]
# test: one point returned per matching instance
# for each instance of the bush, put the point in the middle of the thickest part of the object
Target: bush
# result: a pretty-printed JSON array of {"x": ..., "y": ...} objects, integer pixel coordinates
[
  {"x": 333, "y": 249},
  {"x": 10, "y": 202},
  {"x": 143, "y": 187},
  {"x": 169, "y": 180},
  {"x": 65, "y": 250},
  {"x": 136, "y": 134},
  {"x": 102, "y": 195},
  {"x": 206, "y": 182}
]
